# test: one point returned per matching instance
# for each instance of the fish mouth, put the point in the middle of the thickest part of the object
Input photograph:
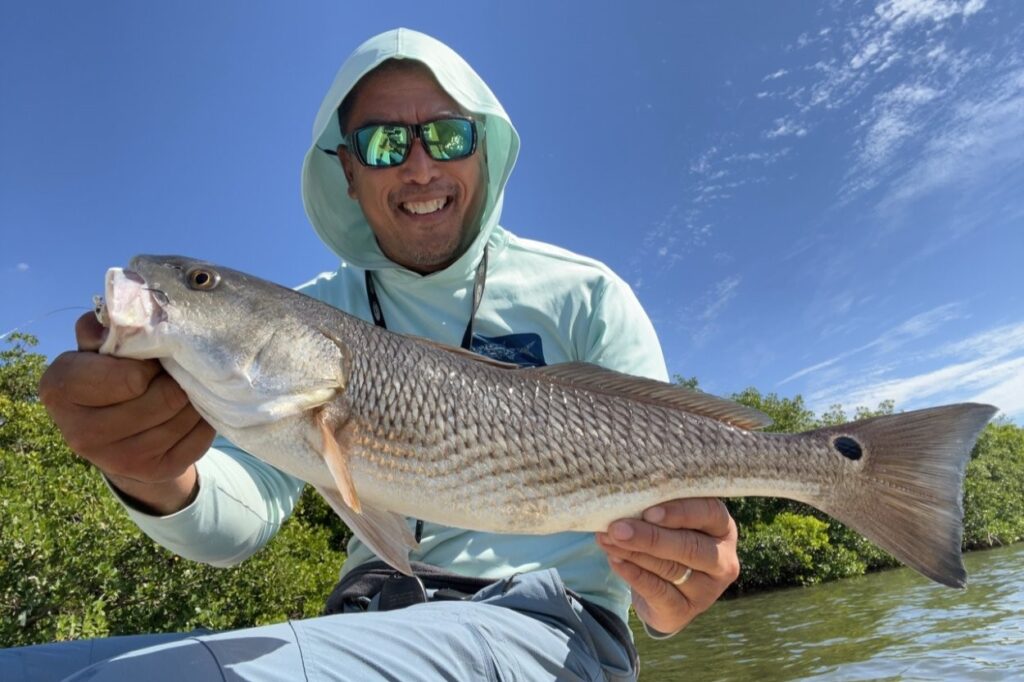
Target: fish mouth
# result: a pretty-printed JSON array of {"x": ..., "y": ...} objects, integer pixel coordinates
[{"x": 131, "y": 313}]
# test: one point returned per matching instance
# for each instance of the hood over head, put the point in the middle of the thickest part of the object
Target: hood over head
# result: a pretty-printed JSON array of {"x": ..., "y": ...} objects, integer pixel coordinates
[{"x": 336, "y": 217}]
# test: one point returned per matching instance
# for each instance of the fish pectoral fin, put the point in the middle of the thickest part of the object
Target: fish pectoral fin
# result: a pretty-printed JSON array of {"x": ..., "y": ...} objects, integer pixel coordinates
[
  {"x": 336, "y": 459},
  {"x": 672, "y": 396},
  {"x": 386, "y": 533}
]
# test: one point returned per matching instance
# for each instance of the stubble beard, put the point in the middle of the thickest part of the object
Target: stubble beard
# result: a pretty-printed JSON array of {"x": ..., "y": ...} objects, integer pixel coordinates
[{"x": 438, "y": 256}]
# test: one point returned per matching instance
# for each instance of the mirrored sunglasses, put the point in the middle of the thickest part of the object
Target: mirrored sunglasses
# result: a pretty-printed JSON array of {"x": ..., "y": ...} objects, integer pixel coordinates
[{"x": 383, "y": 145}]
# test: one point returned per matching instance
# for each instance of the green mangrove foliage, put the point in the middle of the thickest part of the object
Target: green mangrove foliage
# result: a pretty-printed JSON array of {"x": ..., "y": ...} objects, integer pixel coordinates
[{"x": 72, "y": 565}]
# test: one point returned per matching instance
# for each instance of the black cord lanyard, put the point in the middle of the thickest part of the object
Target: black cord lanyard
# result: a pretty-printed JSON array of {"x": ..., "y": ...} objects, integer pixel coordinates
[{"x": 467, "y": 338}]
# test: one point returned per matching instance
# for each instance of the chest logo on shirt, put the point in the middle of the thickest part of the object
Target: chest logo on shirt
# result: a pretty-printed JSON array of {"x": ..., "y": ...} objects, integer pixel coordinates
[{"x": 525, "y": 350}]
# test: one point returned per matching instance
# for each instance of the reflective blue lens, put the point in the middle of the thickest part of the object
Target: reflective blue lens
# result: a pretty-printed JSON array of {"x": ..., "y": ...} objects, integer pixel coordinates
[
  {"x": 384, "y": 145},
  {"x": 447, "y": 139}
]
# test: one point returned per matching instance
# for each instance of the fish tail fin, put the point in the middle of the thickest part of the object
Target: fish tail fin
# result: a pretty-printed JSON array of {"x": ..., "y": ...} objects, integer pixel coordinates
[{"x": 908, "y": 495}]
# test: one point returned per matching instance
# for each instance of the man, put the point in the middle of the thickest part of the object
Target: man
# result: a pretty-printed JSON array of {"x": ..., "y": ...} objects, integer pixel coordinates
[{"x": 404, "y": 181}]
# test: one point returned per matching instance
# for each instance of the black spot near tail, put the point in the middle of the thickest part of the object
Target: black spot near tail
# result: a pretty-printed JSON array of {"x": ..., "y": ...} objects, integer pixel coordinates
[
  {"x": 848, "y": 447},
  {"x": 906, "y": 493}
]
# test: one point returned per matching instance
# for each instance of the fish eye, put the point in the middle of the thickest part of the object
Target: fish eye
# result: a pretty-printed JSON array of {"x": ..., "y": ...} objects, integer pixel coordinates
[{"x": 202, "y": 279}]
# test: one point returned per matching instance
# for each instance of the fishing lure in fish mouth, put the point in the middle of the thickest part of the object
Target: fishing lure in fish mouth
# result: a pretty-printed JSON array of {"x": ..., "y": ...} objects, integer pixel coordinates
[
  {"x": 388, "y": 426},
  {"x": 99, "y": 309}
]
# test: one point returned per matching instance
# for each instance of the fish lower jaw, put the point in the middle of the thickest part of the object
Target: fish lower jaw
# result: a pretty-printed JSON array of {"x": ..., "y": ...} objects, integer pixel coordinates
[
  {"x": 132, "y": 314},
  {"x": 129, "y": 342}
]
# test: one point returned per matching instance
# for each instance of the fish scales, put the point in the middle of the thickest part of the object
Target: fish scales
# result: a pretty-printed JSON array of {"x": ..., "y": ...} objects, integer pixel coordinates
[
  {"x": 545, "y": 447},
  {"x": 386, "y": 426}
]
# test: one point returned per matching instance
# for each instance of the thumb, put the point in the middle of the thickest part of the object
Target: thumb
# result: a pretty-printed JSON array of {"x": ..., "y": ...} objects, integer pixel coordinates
[{"x": 89, "y": 333}]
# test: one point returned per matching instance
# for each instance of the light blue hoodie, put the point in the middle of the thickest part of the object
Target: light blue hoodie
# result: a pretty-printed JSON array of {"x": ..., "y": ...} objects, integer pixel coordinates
[{"x": 541, "y": 304}]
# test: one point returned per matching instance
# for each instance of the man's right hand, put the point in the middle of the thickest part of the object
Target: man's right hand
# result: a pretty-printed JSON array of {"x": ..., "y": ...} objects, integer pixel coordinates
[{"x": 130, "y": 419}]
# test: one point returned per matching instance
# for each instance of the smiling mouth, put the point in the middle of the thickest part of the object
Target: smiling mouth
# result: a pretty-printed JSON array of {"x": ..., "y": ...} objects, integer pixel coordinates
[{"x": 418, "y": 208}]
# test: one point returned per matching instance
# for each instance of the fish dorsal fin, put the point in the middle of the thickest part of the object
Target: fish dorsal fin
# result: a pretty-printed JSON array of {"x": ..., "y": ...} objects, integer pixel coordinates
[
  {"x": 463, "y": 353},
  {"x": 609, "y": 382},
  {"x": 384, "y": 532}
]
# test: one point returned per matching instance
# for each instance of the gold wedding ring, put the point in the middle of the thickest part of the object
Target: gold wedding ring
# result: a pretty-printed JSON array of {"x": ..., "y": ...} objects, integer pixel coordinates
[{"x": 684, "y": 578}]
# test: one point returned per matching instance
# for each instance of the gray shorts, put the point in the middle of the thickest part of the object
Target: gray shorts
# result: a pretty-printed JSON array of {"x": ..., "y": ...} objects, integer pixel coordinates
[{"x": 528, "y": 629}]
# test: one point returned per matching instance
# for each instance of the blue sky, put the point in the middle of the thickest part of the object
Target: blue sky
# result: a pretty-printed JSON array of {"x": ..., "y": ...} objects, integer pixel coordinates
[{"x": 809, "y": 198}]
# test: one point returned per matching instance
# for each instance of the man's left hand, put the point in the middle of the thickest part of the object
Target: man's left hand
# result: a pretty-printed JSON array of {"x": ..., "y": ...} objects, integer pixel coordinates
[{"x": 653, "y": 556}]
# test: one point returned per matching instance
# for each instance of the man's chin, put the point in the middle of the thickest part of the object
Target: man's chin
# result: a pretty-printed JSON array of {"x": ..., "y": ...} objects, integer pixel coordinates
[
  {"x": 432, "y": 262},
  {"x": 426, "y": 260},
  {"x": 430, "y": 252}
]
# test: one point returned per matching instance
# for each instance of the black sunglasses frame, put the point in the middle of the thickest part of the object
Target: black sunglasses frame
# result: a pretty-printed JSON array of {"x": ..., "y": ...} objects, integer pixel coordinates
[{"x": 416, "y": 130}]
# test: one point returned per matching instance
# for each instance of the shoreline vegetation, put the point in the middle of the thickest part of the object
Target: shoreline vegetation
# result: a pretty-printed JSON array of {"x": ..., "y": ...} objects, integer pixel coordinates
[{"x": 73, "y": 566}]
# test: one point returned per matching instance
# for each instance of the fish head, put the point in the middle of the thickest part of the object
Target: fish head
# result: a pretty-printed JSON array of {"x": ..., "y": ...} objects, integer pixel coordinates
[
  {"x": 160, "y": 305},
  {"x": 225, "y": 336}
]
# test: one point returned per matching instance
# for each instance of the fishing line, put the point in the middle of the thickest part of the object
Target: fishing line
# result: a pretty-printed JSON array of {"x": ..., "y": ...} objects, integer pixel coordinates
[{"x": 42, "y": 317}]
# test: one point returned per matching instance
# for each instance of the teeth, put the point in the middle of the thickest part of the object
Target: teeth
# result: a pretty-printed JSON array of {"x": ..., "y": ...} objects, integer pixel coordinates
[{"x": 423, "y": 207}]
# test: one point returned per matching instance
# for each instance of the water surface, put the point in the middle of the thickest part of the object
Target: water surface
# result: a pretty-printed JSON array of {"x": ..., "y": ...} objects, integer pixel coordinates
[{"x": 893, "y": 625}]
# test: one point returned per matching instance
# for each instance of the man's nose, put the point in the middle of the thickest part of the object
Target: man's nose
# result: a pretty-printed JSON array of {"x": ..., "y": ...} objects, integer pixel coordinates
[{"x": 419, "y": 168}]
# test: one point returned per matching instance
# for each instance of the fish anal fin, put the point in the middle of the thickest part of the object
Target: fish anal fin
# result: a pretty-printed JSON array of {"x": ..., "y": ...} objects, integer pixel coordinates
[
  {"x": 336, "y": 457},
  {"x": 672, "y": 396},
  {"x": 384, "y": 532}
]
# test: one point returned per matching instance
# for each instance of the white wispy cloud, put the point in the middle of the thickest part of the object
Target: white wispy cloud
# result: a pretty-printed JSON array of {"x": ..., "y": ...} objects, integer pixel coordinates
[
  {"x": 1006, "y": 391},
  {"x": 668, "y": 241},
  {"x": 706, "y": 310},
  {"x": 985, "y": 367},
  {"x": 17, "y": 268},
  {"x": 914, "y": 35},
  {"x": 874, "y": 44},
  {"x": 721, "y": 293},
  {"x": 702, "y": 164},
  {"x": 661, "y": 241},
  {"x": 903, "y": 13},
  {"x": 982, "y": 136},
  {"x": 712, "y": 176},
  {"x": 903, "y": 72},
  {"x": 892, "y": 121},
  {"x": 993, "y": 342},
  {"x": 802, "y": 41},
  {"x": 784, "y": 127},
  {"x": 766, "y": 158},
  {"x": 896, "y": 117},
  {"x": 913, "y": 328}
]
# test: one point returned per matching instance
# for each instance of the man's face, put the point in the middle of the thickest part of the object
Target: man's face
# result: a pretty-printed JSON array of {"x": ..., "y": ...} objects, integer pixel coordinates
[{"x": 424, "y": 213}]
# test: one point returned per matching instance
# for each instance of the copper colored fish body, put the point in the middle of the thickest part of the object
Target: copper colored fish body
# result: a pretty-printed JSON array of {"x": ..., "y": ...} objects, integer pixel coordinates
[{"x": 388, "y": 426}]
